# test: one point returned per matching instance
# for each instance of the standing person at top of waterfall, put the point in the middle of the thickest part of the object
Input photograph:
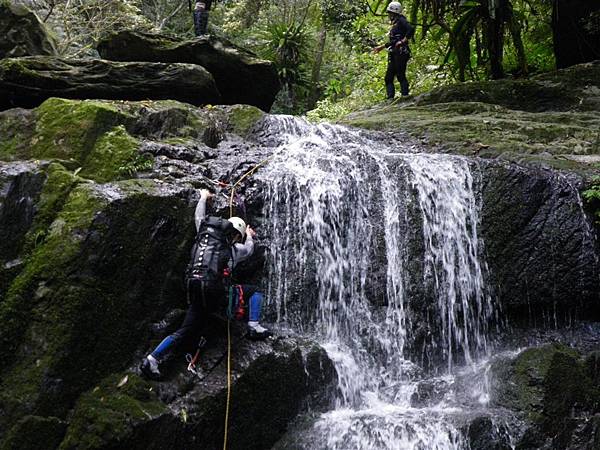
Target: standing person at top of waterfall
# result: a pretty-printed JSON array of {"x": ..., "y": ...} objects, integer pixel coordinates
[
  {"x": 398, "y": 49},
  {"x": 220, "y": 246},
  {"x": 201, "y": 9}
]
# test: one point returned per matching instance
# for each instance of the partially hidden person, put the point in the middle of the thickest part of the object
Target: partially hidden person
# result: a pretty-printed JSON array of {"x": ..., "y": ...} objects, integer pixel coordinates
[
  {"x": 219, "y": 247},
  {"x": 201, "y": 9},
  {"x": 398, "y": 49}
]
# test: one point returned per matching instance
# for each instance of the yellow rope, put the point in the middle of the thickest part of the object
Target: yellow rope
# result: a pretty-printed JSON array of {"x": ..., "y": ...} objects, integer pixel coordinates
[
  {"x": 233, "y": 188},
  {"x": 228, "y": 382},
  {"x": 242, "y": 178}
]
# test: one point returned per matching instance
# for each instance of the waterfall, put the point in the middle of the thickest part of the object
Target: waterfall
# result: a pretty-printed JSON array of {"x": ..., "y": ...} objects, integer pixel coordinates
[{"x": 375, "y": 250}]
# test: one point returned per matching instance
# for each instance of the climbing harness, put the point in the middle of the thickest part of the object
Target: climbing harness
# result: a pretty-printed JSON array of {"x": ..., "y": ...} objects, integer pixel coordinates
[{"x": 236, "y": 305}]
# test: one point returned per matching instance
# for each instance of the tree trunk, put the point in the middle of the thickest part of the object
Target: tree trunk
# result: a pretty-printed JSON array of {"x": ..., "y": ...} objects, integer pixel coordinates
[
  {"x": 316, "y": 70},
  {"x": 495, "y": 36},
  {"x": 515, "y": 31},
  {"x": 576, "y": 31}
]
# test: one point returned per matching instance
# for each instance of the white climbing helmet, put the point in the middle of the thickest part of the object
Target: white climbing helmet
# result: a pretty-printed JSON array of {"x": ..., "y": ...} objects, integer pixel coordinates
[
  {"x": 239, "y": 225},
  {"x": 395, "y": 7}
]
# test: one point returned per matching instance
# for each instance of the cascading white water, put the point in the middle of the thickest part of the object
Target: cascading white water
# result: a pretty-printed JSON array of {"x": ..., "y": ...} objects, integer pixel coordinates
[
  {"x": 445, "y": 195},
  {"x": 342, "y": 209}
]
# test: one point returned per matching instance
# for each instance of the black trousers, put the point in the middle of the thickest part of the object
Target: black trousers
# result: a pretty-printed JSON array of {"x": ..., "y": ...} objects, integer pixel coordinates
[
  {"x": 396, "y": 68},
  {"x": 204, "y": 300},
  {"x": 201, "y": 17}
]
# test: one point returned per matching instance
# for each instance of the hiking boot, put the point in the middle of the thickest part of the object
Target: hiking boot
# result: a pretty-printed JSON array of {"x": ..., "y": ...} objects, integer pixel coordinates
[
  {"x": 257, "y": 333},
  {"x": 149, "y": 368}
]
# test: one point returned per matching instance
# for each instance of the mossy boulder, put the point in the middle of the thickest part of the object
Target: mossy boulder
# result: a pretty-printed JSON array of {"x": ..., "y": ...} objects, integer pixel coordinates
[
  {"x": 88, "y": 135},
  {"x": 115, "y": 413},
  {"x": 242, "y": 119},
  {"x": 32, "y": 195},
  {"x": 240, "y": 76},
  {"x": 271, "y": 383},
  {"x": 23, "y": 34},
  {"x": 67, "y": 321},
  {"x": 28, "y": 81},
  {"x": 550, "y": 120},
  {"x": 536, "y": 232},
  {"x": 552, "y": 388},
  {"x": 34, "y": 433}
]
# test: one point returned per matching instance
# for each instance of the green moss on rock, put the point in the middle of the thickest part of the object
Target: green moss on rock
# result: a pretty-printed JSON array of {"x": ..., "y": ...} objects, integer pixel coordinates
[
  {"x": 109, "y": 413},
  {"x": 43, "y": 265},
  {"x": 546, "y": 384},
  {"x": 34, "y": 433},
  {"x": 567, "y": 388},
  {"x": 243, "y": 117},
  {"x": 473, "y": 128},
  {"x": 114, "y": 151},
  {"x": 553, "y": 117},
  {"x": 69, "y": 129},
  {"x": 67, "y": 320},
  {"x": 57, "y": 187}
]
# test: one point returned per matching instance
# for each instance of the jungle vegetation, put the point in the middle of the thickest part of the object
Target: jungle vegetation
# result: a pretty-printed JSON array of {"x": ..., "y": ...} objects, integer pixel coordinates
[{"x": 322, "y": 48}]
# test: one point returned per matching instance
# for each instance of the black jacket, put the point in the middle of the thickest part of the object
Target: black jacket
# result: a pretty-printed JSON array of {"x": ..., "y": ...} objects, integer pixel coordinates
[{"x": 401, "y": 28}]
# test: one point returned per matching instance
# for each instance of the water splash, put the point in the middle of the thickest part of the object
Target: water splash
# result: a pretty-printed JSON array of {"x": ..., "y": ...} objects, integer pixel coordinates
[
  {"x": 447, "y": 203},
  {"x": 341, "y": 208}
]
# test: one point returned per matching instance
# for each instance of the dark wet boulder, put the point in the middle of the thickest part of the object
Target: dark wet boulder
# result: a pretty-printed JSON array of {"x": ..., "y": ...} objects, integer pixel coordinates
[
  {"x": 540, "y": 245},
  {"x": 35, "y": 432},
  {"x": 26, "y": 82},
  {"x": 241, "y": 77},
  {"x": 20, "y": 189},
  {"x": 67, "y": 320},
  {"x": 23, "y": 34},
  {"x": 272, "y": 382},
  {"x": 484, "y": 434},
  {"x": 553, "y": 390}
]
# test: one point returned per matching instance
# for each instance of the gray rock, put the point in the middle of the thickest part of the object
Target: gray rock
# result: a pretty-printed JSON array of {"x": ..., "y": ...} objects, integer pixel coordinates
[
  {"x": 484, "y": 434},
  {"x": 28, "y": 81},
  {"x": 240, "y": 76},
  {"x": 23, "y": 34},
  {"x": 540, "y": 245}
]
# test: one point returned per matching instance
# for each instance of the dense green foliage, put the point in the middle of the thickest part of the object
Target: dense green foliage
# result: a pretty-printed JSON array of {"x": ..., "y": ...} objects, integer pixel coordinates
[{"x": 322, "y": 48}]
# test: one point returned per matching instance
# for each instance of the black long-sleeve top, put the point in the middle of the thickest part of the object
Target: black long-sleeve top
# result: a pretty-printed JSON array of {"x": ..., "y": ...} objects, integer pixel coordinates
[{"x": 401, "y": 28}]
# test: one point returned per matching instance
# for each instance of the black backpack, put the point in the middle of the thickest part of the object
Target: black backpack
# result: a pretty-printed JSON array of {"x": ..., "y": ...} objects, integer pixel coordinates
[{"x": 211, "y": 251}]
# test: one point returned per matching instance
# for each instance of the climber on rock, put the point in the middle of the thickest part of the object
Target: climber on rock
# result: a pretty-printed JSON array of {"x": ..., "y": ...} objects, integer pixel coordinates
[{"x": 220, "y": 246}]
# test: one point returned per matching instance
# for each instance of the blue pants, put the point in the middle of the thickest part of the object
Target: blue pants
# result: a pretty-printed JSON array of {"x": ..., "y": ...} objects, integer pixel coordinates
[{"x": 203, "y": 302}]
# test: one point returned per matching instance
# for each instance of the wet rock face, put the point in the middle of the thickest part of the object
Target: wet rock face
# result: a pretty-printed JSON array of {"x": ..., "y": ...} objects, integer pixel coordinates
[
  {"x": 103, "y": 242},
  {"x": 240, "y": 76},
  {"x": 552, "y": 387},
  {"x": 20, "y": 187},
  {"x": 540, "y": 246},
  {"x": 485, "y": 435},
  {"x": 28, "y": 81},
  {"x": 23, "y": 33}
]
